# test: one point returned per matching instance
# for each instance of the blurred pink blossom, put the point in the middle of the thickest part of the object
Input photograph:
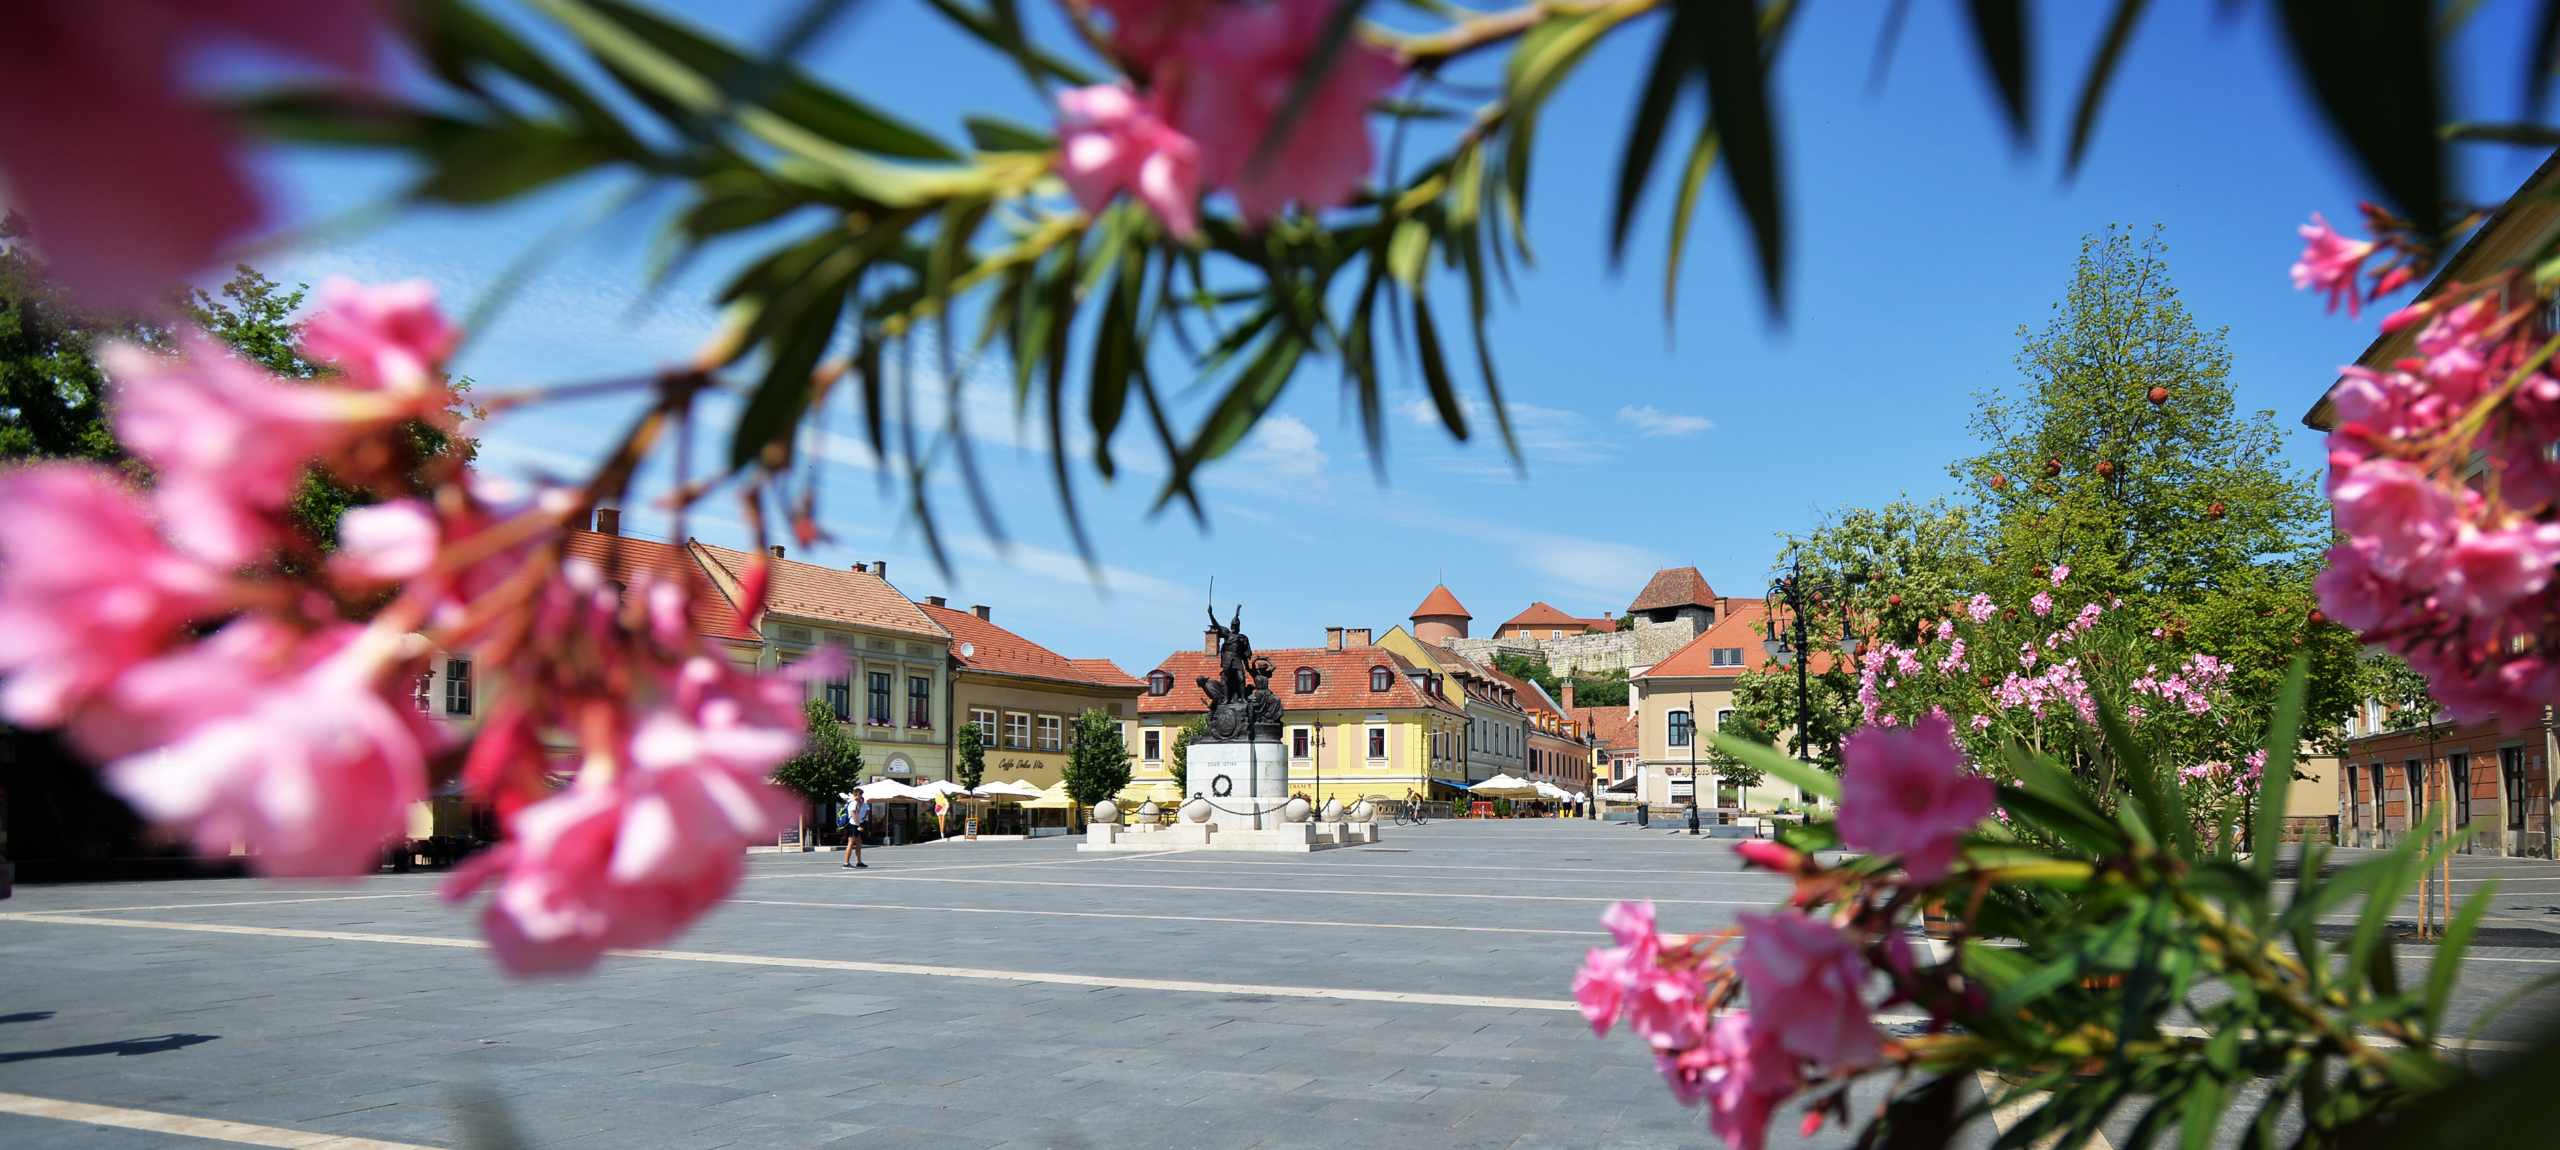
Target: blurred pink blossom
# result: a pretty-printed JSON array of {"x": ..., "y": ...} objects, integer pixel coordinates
[
  {"x": 1905, "y": 793},
  {"x": 227, "y": 442},
  {"x": 1805, "y": 979},
  {"x": 2330, "y": 263},
  {"x": 132, "y": 183},
  {"x": 387, "y": 542},
  {"x": 382, "y": 337},
  {"x": 1740, "y": 1072},
  {"x": 87, "y": 589},
  {"x": 1238, "y": 67},
  {"x": 1111, "y": 140}
]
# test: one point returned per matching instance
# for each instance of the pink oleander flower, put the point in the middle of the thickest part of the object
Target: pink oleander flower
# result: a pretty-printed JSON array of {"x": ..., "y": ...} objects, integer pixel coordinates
[
  {"x": 2061, "y": 571},
  {"x": 650, "y": 835},
  {"x": 1740, "y": 1072},
  {"x": 1237, "y": 67},
  {"x": 1143, "y": 31},
  {"x": 2330, "y": 262},
  {"x": 1600, "y": 987},
  {"x": 1805, "y": 979},
  {"x": 2406, "y": 516},
  {"x": 1769, "y": 854},
  {"x": 1906, "y": 793},
  {"x": 1981, "y": 608},
  {"x": 2485, "y": 572},
  {"x": 2042, "y": 603},
  {"x": 382, "y": 337},
  {"x": 309, "y": 764},
  {"x": 1666, "y": 1007},
  {"x": 387, "y": 542},
  {"x": 131, "y": 183},
  {"x": 227, "y": 441},
  {"x": 1982, "y": 722},
  {"x": 1110, "y": 141},
  {"x": 87, "y": 589},
  {"x": 1946, "y": 629}
]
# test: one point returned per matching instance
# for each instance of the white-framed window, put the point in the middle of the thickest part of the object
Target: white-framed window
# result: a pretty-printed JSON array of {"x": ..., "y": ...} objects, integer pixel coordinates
[
  {"x": 1724, "y": 656},
  {"x": 1017, "y": 731},
  {"x": 1555, "y": 634},
  {"x": 1681, "y": 728},
  {"x": 988, "y": 731},
  {"x": 1053, "y": 733},
  {"x": 877, "y": 683},
  {"x": 919, "y": 701},
  {"x": 1377, "y": 744},
  {"x": 1154, "y": 743},
  {"x": 457, "y": 686}
]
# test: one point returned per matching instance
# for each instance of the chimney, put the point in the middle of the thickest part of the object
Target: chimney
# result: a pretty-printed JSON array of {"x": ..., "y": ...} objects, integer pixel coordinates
[
  {"x": 1209, "y": 643},
  {"x": 608, "y": 521},
  {"x": 980, "y": 611},
  {"x": 1568, "y": 695},
  {"x": 1355, "y": 637},
  {"x": 776, "y": 549},
  {"x": 936, "y": 600},
  {"x": 862, "y": 567},
  {"x": 1333, "y": 638},
  {"x": 880, "y": 567}
]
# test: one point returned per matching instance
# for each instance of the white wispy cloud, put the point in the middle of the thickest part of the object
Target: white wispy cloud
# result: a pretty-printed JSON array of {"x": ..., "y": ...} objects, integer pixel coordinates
[
  {"x": 1285, "y": 445},
  {"x": 1656, "y": 422}
]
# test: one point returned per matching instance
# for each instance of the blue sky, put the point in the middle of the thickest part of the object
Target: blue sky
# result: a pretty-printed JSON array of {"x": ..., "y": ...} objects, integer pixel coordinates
[{"x": 1922, "y": 240}]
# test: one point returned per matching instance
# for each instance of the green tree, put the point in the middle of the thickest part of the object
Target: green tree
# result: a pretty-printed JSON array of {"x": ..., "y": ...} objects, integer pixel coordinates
[
  {"x": 1608, "y": 690},
  {"x": 972, "y": 745},
  {"x": 829, "y": 763},
  {"x": 2122, "y": 455},
  {"x": 1097, "y": 759},
  {"x": 1192, "y": 732},
  {"x": 53, "y": 398},
  {"x": 1885, "y": 572}
]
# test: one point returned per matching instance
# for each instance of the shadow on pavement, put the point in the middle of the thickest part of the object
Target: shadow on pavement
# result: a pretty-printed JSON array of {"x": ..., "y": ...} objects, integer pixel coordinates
[{"x": 124, "y": 1049}]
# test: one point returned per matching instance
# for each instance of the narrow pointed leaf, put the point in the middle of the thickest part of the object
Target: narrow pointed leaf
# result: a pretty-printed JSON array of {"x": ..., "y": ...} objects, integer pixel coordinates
[
  {"x": 2000, "y": 34},
  {"x": 2102, "y": 72},
  {"x": 2372, "y": 67}
]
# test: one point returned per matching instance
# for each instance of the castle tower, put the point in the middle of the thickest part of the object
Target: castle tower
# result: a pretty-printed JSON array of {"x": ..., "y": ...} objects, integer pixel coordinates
[{"x": 1439, "y": 617}]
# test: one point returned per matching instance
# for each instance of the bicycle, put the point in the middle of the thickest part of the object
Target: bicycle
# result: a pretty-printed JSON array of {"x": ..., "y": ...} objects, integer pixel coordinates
[{"x": 1409, "y": 813}]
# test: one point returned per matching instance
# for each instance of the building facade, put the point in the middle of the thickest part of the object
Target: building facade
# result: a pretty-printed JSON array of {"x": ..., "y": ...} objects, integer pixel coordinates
[
  {"x": 893, "y": 692},
  {"x": 1496, "y": 737},
  {"x": 2388, "y": 781},
  {"x": 1679, "y": 699},
  {"x": 1025, "y": 698},
  {"x": 1358, "y": 720},
  {"x": 1545, "y": 621}
]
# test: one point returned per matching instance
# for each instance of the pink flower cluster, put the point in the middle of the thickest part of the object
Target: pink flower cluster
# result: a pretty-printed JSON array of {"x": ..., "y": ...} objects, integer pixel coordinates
[
  {"x": 2193, "y": 686},
  {"x": 1214, "y": 76},
  {"x": 2445, "y": 561},
  {"x": 190, "y": 638},
  {"x": 1903, "y": 793}
]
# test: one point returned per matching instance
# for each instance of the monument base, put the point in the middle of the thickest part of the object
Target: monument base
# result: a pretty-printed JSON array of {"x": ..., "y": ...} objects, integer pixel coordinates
[
  {"x": 1245, "y": 784},
  {"x": 1286, "y": 838}
]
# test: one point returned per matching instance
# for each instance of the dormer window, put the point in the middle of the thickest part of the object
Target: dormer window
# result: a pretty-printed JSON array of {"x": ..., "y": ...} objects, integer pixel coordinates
[
  {"x": 1381, "y": 679},
  {"x": 1159, "y": 682},
  {"x": 1307, "y": 680}
]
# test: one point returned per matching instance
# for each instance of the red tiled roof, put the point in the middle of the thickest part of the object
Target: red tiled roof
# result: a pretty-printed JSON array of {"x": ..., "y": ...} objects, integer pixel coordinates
[
  {"x": 1674, "y": 587},
  {"x": 1342, "y": 681},
  {"x": 827, "y": 594},
  {"x": 1744, "y": 628},
  {"x": 1542, "y": 615},
  {"x": 1613, "y": 726},
  {"x": 994, "y": 650},
  {"x": 623, "y": 558},
  {"x": 1440, "y": 602},
  {"x": 1106, "y": 671}
]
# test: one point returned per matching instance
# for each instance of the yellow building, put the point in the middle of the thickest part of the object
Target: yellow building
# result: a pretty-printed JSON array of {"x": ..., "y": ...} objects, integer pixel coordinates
[
  {"x": 1358, "y": 719},
  {"x": 1025, "y": 697},
  {"x": 1495, "y": 740}
]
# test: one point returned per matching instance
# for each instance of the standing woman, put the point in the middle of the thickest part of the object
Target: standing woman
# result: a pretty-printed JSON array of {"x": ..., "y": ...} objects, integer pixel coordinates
[{"x": 853, "y": 839}]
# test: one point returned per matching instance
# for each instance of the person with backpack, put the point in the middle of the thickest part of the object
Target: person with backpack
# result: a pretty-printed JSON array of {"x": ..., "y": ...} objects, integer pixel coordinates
[{"x": 858, "y": 814}]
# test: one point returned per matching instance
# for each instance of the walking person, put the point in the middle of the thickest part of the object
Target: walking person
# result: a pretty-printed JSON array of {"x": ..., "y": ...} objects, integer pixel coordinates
[{"x": 853, "y": 839}]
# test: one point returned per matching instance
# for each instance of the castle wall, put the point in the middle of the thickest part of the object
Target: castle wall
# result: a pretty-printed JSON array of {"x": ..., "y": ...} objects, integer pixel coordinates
[{"x": 1590, "y": 654}]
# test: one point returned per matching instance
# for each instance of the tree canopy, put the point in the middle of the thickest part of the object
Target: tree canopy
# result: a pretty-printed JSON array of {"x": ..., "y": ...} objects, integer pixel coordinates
[
  {"x": 828, "y": 765},
  {"x": 1097, "y": 759}
]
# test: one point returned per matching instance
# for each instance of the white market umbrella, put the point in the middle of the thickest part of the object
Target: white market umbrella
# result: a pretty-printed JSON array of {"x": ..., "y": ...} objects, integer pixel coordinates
[
  {"x": 936, "y": 788},
  {"x": 887, "y": 789},
  {"x": 1007, "y": 791},
  {"x": 1504, "y": 786},
  {"x": 1555, "y": 792}
]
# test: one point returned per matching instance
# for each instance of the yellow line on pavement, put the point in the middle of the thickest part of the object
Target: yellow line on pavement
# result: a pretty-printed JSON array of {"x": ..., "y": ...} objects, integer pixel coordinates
[
  {"x": 188, "y": 1126},
  {"x": 1171, "y": 917}
]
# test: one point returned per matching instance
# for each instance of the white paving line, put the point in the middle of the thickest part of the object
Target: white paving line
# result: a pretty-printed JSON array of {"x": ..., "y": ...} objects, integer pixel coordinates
[
  {"x": 1171, "y": 917},
  {"x": 1035, "y": 976},
  {"x": 188, "y": 1126},
  {"x": 1436, "y": 894},
  {"x": 250, "y": 902}
]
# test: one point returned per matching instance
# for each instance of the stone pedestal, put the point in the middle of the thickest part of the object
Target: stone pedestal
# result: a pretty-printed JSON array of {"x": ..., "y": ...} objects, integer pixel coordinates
[{"x": 1246, "y": 783}]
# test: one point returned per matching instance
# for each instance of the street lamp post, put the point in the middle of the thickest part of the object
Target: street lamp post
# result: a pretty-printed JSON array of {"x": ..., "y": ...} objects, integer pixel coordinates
[
  {"x": 1693, "y": 764},
  {"x": 1796, "y": 593}
]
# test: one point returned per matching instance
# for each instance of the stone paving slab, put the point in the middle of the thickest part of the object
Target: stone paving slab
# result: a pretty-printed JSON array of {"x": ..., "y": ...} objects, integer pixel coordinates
[{"x": 429, "y": 1045}]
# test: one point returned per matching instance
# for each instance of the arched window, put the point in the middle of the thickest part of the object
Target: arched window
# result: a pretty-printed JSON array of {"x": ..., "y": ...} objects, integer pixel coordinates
[
  {"x": 1307, "y": 680},
  {"x": 1681, "y": 726},
  {"x": 1381, "y": 679},
  {"x": 1159, "y": 682}
]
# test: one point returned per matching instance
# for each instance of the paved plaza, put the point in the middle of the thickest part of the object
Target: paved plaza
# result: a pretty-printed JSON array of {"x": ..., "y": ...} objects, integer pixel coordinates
[{"x": 958, "y": 995}]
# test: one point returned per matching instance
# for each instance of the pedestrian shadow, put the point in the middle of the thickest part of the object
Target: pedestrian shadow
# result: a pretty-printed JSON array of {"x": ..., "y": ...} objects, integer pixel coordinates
[
  {"x": 26, "y": 1016},
  {"x": 125, "y": 1049}
]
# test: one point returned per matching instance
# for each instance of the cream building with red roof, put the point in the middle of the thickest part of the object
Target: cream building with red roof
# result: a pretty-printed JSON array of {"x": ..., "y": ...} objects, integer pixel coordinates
[
  {"x": 1025, "y": 697},
  {"x": 1690, "y": 690},
  {"x": 895, "y": 690},
  {"x": 1545, "y": 621},
  {"x": 1358, "y": 719}
]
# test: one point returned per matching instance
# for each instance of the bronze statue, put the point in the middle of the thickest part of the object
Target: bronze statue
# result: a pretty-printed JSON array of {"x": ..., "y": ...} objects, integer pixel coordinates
[{"x": 1241, "y": 694}]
